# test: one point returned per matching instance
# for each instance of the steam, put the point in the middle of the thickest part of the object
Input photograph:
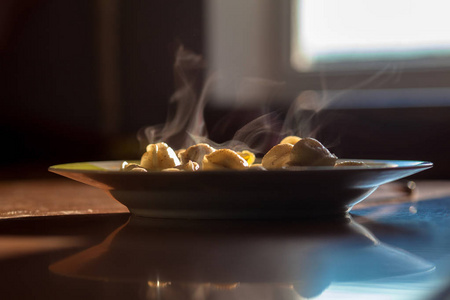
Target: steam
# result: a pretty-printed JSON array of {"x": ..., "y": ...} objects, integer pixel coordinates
[
  {"x": 264, "y": 129},
  {"x": 256, "y": 136},
  {"x": 303, "y": 113},
  {"x": 185, "y": 116},
  {"x": 185, "y": 124},
  {"x": 300, "y": 114}
]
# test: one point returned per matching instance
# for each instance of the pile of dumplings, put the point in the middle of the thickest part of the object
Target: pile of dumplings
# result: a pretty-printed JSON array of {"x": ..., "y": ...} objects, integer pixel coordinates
[{"x": 292, "y": 151}]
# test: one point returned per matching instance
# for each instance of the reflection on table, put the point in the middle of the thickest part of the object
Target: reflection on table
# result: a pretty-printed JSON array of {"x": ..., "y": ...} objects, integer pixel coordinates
[
  {"x": 239, "y": 260},
  {"x": 395, "y": 245}
]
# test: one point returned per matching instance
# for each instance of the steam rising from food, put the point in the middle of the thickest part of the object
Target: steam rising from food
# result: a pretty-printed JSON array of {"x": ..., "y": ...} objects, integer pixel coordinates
[
  {"x": 185, "y": 124},
  {"x": 186, "y": 132},
  {"x": 185, "y": 117},
  {"x": 298, "y": 120}
]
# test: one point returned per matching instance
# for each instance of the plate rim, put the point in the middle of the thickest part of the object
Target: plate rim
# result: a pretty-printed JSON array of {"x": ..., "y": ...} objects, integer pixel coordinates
[{"x": 388, "y": 165}]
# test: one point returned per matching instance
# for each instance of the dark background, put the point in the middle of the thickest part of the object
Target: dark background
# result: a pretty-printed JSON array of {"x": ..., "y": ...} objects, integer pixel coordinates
[
  {"x": 49, "y": 91},
  {"x": 49, "y": 68}
]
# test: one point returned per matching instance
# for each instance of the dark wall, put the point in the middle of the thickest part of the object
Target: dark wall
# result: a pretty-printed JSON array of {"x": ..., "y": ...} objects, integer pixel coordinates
[
  {"x": 49, "y": 69},
  {"x": 150, "y": 35},
  {"x": 47, "y": 88}
]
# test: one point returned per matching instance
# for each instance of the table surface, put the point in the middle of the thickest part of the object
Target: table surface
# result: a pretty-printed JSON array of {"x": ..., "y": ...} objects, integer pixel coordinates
[{"x": 64, "y": 240}]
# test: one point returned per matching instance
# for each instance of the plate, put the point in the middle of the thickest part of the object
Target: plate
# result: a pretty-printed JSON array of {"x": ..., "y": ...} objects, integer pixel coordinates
[{"x": 292, "y": 193}]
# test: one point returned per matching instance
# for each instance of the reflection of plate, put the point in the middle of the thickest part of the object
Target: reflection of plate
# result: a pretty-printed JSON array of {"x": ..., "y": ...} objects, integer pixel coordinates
[
  {"x": 241, "y": 194},
  {"x": 240, "y": 258}
]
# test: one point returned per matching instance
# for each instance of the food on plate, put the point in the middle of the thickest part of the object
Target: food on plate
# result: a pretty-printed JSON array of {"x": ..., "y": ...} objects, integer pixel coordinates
[
  {"x": 189, "y": 166},
  {"x": 224, "y": 159},
  {"x": 291, "y": 139},
  {"x": 277, "y": 157},
  {"x": 159, "y": 157},
  {"x": 257, "y": 167},
  {"x": 291, "y": 152},
  {"x": 132, "y": 167},
  {"x": 195, "y": 153},
  {"x": 310, "y": 152},
  {"x": 248, "y": 156},
  {"x": 351, "y": 163}
]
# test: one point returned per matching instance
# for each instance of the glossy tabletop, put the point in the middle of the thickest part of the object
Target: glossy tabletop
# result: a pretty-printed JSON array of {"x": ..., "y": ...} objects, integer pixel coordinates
[{"x": 64, "y": 240}]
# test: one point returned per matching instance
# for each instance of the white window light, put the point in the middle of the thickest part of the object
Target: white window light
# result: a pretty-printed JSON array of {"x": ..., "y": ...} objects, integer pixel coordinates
[{"x": 331, "y": 32}]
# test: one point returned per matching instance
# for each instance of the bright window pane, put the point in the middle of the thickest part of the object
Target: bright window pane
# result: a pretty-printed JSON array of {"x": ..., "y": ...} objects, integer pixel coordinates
[{"x": 332, "y": 31}]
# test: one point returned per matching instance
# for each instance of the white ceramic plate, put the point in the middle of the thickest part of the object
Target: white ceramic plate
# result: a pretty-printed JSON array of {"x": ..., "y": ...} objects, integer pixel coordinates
[{"x": 293, "y": 193}]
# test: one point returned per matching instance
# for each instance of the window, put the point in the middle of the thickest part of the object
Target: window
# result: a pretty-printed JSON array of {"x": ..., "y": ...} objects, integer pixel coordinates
[
  {"x": 332, "y": 46},
  {"x": 349, "y": 34}
]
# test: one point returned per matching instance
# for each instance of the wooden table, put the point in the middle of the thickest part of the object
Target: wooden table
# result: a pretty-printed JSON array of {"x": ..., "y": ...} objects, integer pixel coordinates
[
  {"x": 60, "y": 196},
  {"x": 52, "y": 197}
]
